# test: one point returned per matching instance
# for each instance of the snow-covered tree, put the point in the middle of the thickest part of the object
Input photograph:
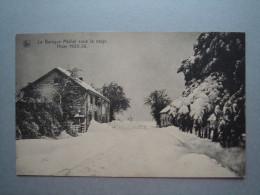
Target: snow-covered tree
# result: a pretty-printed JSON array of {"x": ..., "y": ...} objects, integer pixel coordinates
[
  {"x": 118, "y": 101},
  {"x": 36, "y": 116},
  {"x": 74, "y": 72},
  {"x": 215, "y": 89}
]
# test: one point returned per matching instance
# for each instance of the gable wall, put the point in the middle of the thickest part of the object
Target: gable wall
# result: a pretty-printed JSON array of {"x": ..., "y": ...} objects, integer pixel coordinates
[
  {"x": 46, "y": 85},
  {"x": 80, "y": 98},
  {"x": 48, "y": 88}
]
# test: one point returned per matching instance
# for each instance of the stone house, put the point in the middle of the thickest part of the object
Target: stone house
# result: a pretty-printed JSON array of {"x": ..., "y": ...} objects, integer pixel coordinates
[
  {"x": 84, "y": 103},
  {"x": 166, "y": 117}
]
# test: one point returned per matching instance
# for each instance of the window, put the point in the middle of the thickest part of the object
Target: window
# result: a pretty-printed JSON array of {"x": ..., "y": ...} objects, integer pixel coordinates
[
  {"x": 98, "y": 101},
  {"x": 57, "y": 80}
]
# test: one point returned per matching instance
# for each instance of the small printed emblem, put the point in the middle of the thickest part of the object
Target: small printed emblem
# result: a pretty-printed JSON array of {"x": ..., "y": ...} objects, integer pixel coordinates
[{"x": 26, "y": 43}]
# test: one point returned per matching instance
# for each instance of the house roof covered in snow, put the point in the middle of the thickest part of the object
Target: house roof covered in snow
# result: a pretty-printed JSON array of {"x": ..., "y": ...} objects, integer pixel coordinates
[
  {"x": 76, "y": 80},
  {"x": 166, "y": 109}
]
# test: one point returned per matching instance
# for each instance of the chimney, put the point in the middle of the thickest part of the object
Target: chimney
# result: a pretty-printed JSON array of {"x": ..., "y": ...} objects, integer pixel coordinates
[{"x": 81, "y": 78}]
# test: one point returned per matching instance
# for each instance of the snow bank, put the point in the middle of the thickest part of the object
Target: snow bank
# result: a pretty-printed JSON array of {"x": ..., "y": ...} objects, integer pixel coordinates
[
  {"x": 98, "y": 127},
  {"x": 200, "y": 165},
  {"x": 64, "y": 135},
  {"x": 233, "y": 158}
]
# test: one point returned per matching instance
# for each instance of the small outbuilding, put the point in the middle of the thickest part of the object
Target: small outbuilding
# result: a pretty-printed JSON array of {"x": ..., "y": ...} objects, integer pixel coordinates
[{"x": 165, "y": 117}]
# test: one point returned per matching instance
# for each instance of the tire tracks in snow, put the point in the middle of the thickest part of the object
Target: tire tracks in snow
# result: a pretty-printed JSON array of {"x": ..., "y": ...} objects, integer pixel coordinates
[
  {"x": 139, "y": 142},
  {"x": 68, "y": 171}
]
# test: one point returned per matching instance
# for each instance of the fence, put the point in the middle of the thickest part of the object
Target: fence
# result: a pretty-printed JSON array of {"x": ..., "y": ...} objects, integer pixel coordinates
[{"x": 78, "y": 128}]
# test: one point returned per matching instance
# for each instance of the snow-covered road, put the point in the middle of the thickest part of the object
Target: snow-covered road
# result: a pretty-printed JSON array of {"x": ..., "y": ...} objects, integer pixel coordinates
[{"x": 127, "y": 149}]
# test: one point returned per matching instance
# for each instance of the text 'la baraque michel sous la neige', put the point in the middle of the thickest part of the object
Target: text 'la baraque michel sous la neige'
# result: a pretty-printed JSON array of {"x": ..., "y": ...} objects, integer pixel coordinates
[{"x": 72, "y": 43}]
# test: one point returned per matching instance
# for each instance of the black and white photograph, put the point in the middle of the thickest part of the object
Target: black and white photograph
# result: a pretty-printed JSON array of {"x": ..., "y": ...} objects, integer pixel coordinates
[{"x": 131, "y": 104}]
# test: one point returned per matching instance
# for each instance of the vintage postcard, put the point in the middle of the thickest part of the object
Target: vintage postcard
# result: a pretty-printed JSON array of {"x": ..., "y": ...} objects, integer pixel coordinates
[{"x": 131, "y": 104}]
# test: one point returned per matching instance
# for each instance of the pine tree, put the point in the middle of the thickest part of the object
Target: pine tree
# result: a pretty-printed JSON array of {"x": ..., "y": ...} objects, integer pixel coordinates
[{"x": 215, "y": 84}]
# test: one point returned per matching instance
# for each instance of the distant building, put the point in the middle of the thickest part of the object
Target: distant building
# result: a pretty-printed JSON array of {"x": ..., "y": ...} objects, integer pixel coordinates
[
  {"x": 86, "y": 103},
  {"x": 166, "y": 117}
]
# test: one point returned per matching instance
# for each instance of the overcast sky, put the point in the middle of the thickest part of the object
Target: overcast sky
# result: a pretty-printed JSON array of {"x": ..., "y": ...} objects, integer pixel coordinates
[{"x": 138, "y": 61}]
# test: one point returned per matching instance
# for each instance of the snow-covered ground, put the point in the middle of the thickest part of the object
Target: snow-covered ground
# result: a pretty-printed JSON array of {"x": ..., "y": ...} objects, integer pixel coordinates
[{"x": 128, "y": 149}]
